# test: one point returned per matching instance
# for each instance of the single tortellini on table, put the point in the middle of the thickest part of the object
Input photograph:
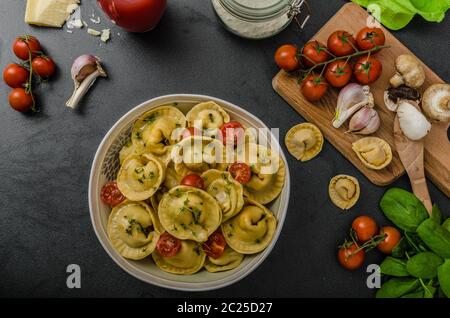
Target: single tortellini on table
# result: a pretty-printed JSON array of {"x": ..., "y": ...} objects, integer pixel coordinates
[
  {"x": 198, "y": 154},
  {"x": 189, "y": 213},
  {"x": 268, "y": 173},
  {"x": 189, "y": 259},
  {"x": 304, "y": 141},
  {"x": 228, "y": 260},
  {"x": 152, "y": 132},
  {"x": 344, "y": 191},
  {"x": 133, "y": 229},
  {"x": 374, "y": 153},
  {"x": 208, "y": 115},
  {"x": 127, "y": 150},
  {"x": 228, "y": 192},
  {"x": 252, "y": 230},
  {"x": 140, "y": 176}
]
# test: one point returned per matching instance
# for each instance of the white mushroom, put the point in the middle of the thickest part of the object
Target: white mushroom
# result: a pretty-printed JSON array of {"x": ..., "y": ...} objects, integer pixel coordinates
[
  {"x": 413, "y": 123},
  {"x": 436, "y": 102},
  {"x": 409, "y": 72}
]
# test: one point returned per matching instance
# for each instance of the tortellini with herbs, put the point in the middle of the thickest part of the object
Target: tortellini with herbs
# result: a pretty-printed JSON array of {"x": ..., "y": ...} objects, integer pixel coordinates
[
  {"x": 251, "y": 230},
  {"x": 228, "y": 260},
  {"x": 374, "y": 153},
  {"x": 133, "y": 229},
  {"x": 189, "y": 213},
  {"x": 171, "y": 181},
  {"x": 208, "y": 115},
  {"x": 227, "y": 192}
]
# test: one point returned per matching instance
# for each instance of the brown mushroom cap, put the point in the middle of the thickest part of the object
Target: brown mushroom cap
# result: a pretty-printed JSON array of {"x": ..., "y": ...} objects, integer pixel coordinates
[
  {"x": 436, "y": 102},
  {"x": 409, "y": 72}
]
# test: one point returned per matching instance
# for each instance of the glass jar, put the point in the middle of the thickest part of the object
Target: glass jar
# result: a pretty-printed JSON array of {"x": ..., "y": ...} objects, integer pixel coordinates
[{"x": 257, "y": 19}]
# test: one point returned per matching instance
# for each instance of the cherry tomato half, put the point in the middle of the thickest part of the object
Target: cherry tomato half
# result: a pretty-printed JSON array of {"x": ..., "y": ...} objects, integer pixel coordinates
[
  {"x": 314, "y": 52},
  {"x": 234, "y": 128},
  {"x": 349, "y": 258},
  {"x": 314, "y": 87},
  {"x": 393, "y": 236},
  {"x": 168, "y": 245},
  {"x": 241, "y": 172},
  {"x": 338, "y": 73},
  {"x": 188, "y": 132},
  {"x": 215, "y": 245},
  {"x": 24, "y": 45},
  {"x": 43, "y": 66},
  {"x": 110, "y": 194},
  {"x": 15, "y": 75},
  {"x": 20, "y": 100},
  {"x": 365, "y": 227},
  {"x": 286, "y": 58},
  {"x": 368, "y": 38},
  {"x": 341, "y": 43},
  {"x": 193, "y": 180},
  {"x": 367, "y": 70}
]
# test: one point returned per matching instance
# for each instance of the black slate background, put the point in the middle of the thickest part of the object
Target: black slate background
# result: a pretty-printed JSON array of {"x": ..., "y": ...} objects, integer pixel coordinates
[{"x": 45, "y": 159}]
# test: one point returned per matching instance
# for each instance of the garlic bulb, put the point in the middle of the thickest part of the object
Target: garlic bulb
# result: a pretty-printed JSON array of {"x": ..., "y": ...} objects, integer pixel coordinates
[
  {"x": 413, "y": 123},
  {"x": 351, "y": 98},
  {"x": 436, "y": 102},
  {"x": 365, "y": 121}
]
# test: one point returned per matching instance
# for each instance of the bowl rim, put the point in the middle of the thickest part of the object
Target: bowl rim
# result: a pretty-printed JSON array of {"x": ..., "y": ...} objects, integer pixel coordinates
[{"x": 163, "y": 282}]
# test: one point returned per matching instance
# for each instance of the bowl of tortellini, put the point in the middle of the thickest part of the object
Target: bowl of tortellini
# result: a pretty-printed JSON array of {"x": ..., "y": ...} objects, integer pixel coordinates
[{"x": 177, "y": 201}]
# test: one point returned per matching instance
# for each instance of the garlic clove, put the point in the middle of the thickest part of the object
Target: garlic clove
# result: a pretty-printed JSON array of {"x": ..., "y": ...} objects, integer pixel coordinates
[
  {"x": 351, "y": 98},
  {"x": 366, "y": 121},
  {"x": 413, "y": 123}
]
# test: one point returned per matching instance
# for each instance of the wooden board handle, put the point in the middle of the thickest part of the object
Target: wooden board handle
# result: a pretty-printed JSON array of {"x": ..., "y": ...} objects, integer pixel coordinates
[{"x": 420, "y": 189}]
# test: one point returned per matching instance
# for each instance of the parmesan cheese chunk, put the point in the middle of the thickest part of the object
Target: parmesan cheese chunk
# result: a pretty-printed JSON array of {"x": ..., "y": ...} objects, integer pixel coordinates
[{"x": 50, "y": 13}]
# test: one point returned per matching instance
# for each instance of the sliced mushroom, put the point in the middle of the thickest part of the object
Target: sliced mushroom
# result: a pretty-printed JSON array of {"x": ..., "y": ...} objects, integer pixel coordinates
[
  {"x": 409, "y": 72},
  {"x": 413, "y": 123},
  {"x": 436, "y": 102},
  {"x": 344, "y": 191}
]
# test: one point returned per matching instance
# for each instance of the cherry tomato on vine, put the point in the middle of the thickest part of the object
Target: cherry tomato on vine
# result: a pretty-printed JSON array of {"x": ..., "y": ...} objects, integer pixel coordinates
[
  {"x": 24, "y": 45},
  {"x": 233, "y": 127},
  {"x": 241, "y": 172},
  {"x": 168, "y": 245},
  {"x": 20, "y": 100},
  {"x": 286, "y": 57},
  {"x": 43, "y": 66},
  {"x": 393, "y": 236},
  {"x": 341, "y": 43},
  {"x": 368, "y": 38},
  {"x": 350, "y": 258},
  {"x": 313, "y": 53},
  {"x": 338, "y": 73},
  {"x": 15, "y": 75},
  {"x": 365, "y": 228},
  {"x": 215, "y": 245},
  {"x": 314, "y": 87},
  {"x": 193, "y": 180},
  {"x": 110, "y": 194},
  {"x": 367, "y": 70}
]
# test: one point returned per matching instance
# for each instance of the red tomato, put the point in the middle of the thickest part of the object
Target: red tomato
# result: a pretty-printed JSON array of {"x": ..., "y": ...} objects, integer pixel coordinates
[
  {"x": 367, "y": 70},
  {"x": 215, "y": 245},
  {"x": 365, "y": 227},
  {"x": 338, "y": 73},
  {"x": 240, "y": 172},
  {"x": 168, "y": 245},
  {"x": 393, "y": 236},
  {"x": 136, "y": 15},
  {"x": 20, "y": 100},
  {"x": 43, "y": 66},
  {"x": 286, "y": 58},
  {"x": 110, "y": 194},
  {"x": 15, "y": 75},
  {"x": 314, "y": 52},
  {"x": 314, "y": 87},
  {"x": 193, "y": 180},
  {"x": 25, "y": 44},
  {"x": 188, "y": 132},
  {"x": 349, "y": 258},
  {"x": 233, "y": 127},
  {"x": 368, "y": 38},
  {"x": 341, "y": 43}
]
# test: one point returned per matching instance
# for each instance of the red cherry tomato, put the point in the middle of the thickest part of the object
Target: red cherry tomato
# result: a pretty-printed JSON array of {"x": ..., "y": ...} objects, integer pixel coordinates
[
  {"x": 367, "y": 70},
  {"x": 233, "y": 127},
  {"x": 193, "y": 180},
  {"x": 168, "y": 245},
  {"x": 215, "y": 245},
  {"x": 314, "y": 87},
  {"x": 110, "y": 194},
  {"x": 15, "y": 75},
  {"x": 43, "y": 66},
  {"x": 368, "y": 38},
  {"x": 24, "y": 45},
  {"x": 338, "y": 73},
  {"x": 20, "y": 100},
  {"x": 365, "y": 227},
  {"x": 314, "y": 52},
  {"x": 241, "y": 172},
  {"x": 349, "y": 258},
  {"x": 393, "y": 236},
  {"x": 341, "y": 43},
  {"x": 188, "y": 132},
  {"x": 286, "y": 58}
]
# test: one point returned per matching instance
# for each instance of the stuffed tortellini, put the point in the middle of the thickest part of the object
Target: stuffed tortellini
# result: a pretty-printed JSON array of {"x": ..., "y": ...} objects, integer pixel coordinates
[
  {"x": 228, "y": 260},
  {"x": 152, "y": 132},
  {"x": 133, "y": 229},
  {"x": 140, "y": 176},
  {"x": 171, "y": 181},
  {"x": 344, "y": 191},
  {"x": 304, "y": 141},
  {"x": 189, "y": 213},
  {"x": 227, "y": 191},
  {"x": 197, "y": 154},
  {"x": 374, "y": 153},
  {"x": 207, "y": 115},
  {"x": 189, "y": 259},
  {"x": 127, "y": 149},
  {"x": 251, "y": 230}
]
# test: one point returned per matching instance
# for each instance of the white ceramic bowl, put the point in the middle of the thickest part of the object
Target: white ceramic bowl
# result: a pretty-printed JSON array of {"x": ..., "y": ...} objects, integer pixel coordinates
[{"x": 105, "y": 167}]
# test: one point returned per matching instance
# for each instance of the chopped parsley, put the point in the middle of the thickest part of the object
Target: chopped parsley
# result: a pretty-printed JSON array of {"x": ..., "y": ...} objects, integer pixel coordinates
[{"x": 138, "y": 135}]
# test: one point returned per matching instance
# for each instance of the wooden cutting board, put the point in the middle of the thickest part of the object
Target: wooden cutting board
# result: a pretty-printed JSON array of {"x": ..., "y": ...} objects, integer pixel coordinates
[{"x": 351, "y": 17}]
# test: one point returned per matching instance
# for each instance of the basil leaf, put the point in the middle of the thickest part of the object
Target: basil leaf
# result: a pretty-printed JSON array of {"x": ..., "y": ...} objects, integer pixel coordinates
[
  {"x": 397, "y": 287},
  {"x": 403, "y": 208},
  {"x": 435, "y": 237},
  {"x": 394, "y": 267},
  {"x": 444, "y": 277},
  {"x": 436, "y": 214},
  {"x": 424, "y": 265}
]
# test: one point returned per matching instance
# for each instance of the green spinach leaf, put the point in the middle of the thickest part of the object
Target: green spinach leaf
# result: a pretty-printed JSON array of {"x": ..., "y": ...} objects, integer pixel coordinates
[
  {"x": 424, "y": 265},
  {"x": 444, "y": 277},
  {"x": 394, "y": 267},
  {"x": 436, "y": 214},
  {"x": 446, "y": 224},
  {"x": 397, "y": 287},
  {"x": 435, "y": 237}
]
